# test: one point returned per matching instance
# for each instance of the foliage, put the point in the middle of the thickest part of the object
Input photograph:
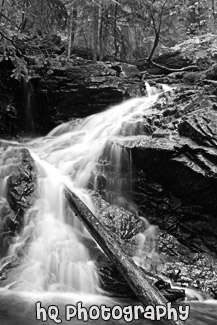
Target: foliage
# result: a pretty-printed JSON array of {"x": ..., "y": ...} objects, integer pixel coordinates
[
  {"x": 200, "y": 50},
  {"x": 37, "y": 30},
  {"x": 127, "y": 29},
  {"x": 25, "y": 25}
]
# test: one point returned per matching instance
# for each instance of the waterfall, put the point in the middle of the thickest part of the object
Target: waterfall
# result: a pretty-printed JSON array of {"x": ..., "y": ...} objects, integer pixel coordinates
[{"x": 54, "y": 259}]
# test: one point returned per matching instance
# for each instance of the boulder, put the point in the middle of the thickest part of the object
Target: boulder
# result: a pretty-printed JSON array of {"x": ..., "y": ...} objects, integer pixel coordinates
[
  {"x": 18, "y": 190},
  {"x": 21, "y": 184}
]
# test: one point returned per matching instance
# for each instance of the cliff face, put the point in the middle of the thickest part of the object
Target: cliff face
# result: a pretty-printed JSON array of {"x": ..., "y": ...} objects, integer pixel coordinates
[
  {"x": 174, "y": 181},
  {"x": 11, "y": 107},
  {"x": 81, "y": 89},
  {"x": 175, "y": 169},
  {"x": 77, "y": 89},
  {"x": 174, "y": 158}
]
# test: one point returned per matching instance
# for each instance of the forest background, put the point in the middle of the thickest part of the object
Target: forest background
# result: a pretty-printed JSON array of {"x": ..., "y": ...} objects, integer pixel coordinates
[{"x": 121, "y": 30}]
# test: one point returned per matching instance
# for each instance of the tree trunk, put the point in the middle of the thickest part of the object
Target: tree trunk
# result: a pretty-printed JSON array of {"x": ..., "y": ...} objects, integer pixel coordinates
[
  {"x": 136, "y": 279},
  {"x": 95, "y": 33},
  {"x": 105, "y": 34},
  {"x": 100, "y": 32},
  {"x": 70, "y": 32},
  {"x": 211, "y": 17},
  {"x": 2, "y": 9},
  {"x": 115, "y": 31},
  {"x": 74, "y": 19}
]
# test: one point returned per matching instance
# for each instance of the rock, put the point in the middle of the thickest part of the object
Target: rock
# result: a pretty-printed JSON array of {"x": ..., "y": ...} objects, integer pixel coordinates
[
  {"x": 17, "y": 195},
  {"x": 125, "y": 227},
  {"x": 77, "y": 88},
  {"x": 21, "y": 184},
  {"x": 175, "y": 184},
  {"x": 8, "y": 226},
  {"x": 12, "y": 119},
  {"x": 82, "y": 88},
  {"x": 122, "y": 223},
  {"x": 175, "y": 176}
]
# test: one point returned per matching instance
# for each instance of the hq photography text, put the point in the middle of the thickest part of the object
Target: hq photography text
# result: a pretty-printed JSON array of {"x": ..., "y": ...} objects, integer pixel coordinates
[{"x": 127, "y": 313}]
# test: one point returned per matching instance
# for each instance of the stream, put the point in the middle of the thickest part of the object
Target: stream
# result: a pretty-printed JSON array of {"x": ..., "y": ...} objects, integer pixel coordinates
[{"x": 56, "y": 267}]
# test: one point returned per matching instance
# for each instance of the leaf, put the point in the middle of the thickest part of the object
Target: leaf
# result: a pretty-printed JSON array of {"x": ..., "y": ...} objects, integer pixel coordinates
[{"x": 50, "y": 71}]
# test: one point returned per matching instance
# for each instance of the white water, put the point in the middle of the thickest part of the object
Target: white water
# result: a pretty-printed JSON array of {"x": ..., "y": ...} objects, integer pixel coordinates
[{"x": 54, "y": 257}]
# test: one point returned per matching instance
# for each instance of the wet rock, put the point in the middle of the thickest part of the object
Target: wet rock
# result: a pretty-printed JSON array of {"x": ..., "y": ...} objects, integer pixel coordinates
[
  {"x": 18, "y": 192},
  {"x": 175, "y": 171},
  {"x": 123, "y": 224},
  {"x": 21, "y": 184},
  {"x": 125, "y": 227},
  {"x": 82, "y": 88},
  {"x": 78, "y": 88},
  {"x": 113, "y": 282},
  {"x": 8, "y": 226},
  {"x": 174, "y": 185},
  {"x": 184, "y": 268},
  {"x": 12, "y": 118}
]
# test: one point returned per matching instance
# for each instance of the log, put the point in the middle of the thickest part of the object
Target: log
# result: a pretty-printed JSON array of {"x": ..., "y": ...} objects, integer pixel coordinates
[
  {"x": 212, "y": 82},
  {"x": 146, "y": 294},
  {"x": 170, "y": 70}
]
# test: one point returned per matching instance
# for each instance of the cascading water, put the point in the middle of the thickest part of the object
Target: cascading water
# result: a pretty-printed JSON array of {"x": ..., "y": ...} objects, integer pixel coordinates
[{"x": 54, "y": 259}]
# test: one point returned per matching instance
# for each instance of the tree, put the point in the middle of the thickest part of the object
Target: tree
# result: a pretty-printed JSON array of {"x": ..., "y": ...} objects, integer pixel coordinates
[{"x": 125, "y": 30}]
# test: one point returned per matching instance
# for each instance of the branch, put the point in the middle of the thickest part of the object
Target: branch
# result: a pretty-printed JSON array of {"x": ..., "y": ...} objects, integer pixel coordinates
[
  {"x": 212, "y": 82},
  {"x": 99, "y": 4},
  {"x": 161, "y": 16},
  {"x": 156, "y": 41},
  {"x": 156, "y": 30},
  {"x": 8, "y": 19},
  {"x": 7, "y": 38},
  {"x": 25, "y": 44},
  {"x": 170, "y": 70}
]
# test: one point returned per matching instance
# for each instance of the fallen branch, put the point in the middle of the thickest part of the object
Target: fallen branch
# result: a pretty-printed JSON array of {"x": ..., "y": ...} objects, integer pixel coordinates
[
  {"x": 170, "y": 70},
  {"x": 135, "y": 277},
  {"x": 212, "y": 82}
]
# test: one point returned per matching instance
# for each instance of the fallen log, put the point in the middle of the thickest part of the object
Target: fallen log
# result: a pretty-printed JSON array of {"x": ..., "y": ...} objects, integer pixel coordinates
[
  {"x": 170, "y": 70},
  {"x": 146, "y": 294},
  {"x": 212, "y": 82}
]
